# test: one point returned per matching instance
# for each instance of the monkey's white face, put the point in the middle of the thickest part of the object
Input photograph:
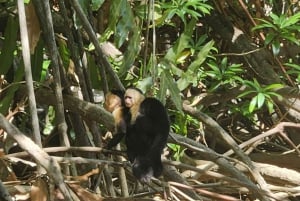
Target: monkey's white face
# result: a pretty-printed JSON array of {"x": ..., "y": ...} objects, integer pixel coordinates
[
  {"x": 128, "y": 101},
  {"x": 132, "y": 97}
]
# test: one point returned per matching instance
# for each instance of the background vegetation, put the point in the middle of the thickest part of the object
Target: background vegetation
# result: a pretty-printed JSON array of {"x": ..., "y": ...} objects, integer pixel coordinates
[{"x": 227, "y": 71}]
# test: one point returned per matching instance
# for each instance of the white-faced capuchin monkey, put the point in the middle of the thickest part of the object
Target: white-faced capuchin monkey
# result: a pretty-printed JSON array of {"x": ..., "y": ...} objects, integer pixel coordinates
[
  {"x": 114, "y": 103},
  {"x": 147, "y": 130}
]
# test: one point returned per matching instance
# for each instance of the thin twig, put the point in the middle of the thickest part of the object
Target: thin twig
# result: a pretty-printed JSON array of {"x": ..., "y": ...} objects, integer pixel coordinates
[{"x": 28, "y": 73}]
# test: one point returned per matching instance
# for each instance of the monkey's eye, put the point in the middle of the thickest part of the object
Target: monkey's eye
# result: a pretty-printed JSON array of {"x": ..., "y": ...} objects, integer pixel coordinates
[{"x": 128, "y": 97}]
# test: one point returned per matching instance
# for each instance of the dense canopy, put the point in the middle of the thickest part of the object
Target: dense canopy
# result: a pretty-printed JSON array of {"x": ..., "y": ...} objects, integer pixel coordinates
[{"x": 228, "y": 73}]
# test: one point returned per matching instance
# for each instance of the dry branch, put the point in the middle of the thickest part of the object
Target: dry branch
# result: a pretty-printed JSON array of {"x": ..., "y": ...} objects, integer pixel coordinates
[{"x": 38, "y": 154}]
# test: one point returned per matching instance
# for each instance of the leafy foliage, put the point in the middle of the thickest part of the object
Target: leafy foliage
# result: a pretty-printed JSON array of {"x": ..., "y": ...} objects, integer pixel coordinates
[
  {"x": 223, "y": 75},
  {"x": 185, "y": 8},
  {"x": 280, "y": 27},
  {"x": 295, "y": 70},
  {"x": 262, "y": 95}
]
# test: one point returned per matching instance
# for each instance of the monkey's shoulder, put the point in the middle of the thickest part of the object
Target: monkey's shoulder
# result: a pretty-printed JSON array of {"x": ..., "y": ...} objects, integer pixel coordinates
[
  {"x": 153, "y": 109},
  {"x": 152, "y": 103}
]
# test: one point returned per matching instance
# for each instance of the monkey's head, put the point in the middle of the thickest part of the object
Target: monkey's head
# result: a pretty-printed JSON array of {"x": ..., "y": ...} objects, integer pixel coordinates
[
  {"x": 133, "y": 97},
  {"x": 112, "y": 102}
]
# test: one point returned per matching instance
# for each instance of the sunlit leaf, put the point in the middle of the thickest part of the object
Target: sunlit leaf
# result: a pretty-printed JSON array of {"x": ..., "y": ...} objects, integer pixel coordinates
[
  {"x": 274, "y": 17},
  {"x": 290, "y": 20},
  {"x": 202, "y": 55},
  {"x": 260, "y": 100},
  {"x": 44, "y": 73},
  {"x": 182, "y": 43},
  {"x": 145, "y": 83},
  {"x": 131, "y": 52},
  {"x": 276, "y": 47},
  {"x": 114, "y": 15},
  {"x": 183, "y": 56},
  {"x": 270, "y": 106},
  {"x": 273, "y": 86},
  {"x": 125, "y": 24},
  {"x": 252, "y": 104},
  {"x": 173, "y": 89},
  {"x": 265, "y": 24},
  {"x": 275, "y": 94}
]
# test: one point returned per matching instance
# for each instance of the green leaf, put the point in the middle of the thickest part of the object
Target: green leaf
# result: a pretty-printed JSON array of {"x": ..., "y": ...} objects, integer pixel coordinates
[
  {"x": 163, "y": 87},
  {"x": 275, "y": 17},
  {"x": 168, "y": 64},
  {"x": 260, "y": 100},
  {"x": 275, "y": 94},
  {"x": 6, "y": 102},
  {"x": 202, "y": 55},
  {"x": 182, "y": 43},
  {"x": 9, "y": 45},
  {"x": 173, "y": 89},
  {"x": 252, "y": 104},
  {"x": 270, "y": 106},
  {"x": 114, "y": 15},
  {"x": 183, "y": 83},
  {"x": 145, "y": 83},
  {"x": 173, "y": 147},
  {"x": 291, "y": 38},
  {"x": 293, "y": 28},
  {"x": 265, "y": 24},
  {"x": 64, "y": 53},
  {"x": 93, "y": 70},
  {"x": 276, "y": 47},
  {"x": 269, "y": 38},
  {"x": 290, "y": 20},
  {"x": 131, "y": 52},
  {"x": 253, "y": 84},
  {"x": 125, "y": 24},
  {"x": 215, "y": 69},
  {"x": 186, "y": 79},
  {"x": 214, "y": 86},
  {"x": 37, "y": 62},
  {"x": 273, "y": 86},
  {"x": 44, "y": 73},
  {"x": 296, "y": 66},
  {"x": 183, "y": 56}
]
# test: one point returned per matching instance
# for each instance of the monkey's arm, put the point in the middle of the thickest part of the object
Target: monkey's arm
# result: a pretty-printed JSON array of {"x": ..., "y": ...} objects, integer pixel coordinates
[
  {"x": 115, "y": 140},
  {"x": 158, "y": 144}
]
